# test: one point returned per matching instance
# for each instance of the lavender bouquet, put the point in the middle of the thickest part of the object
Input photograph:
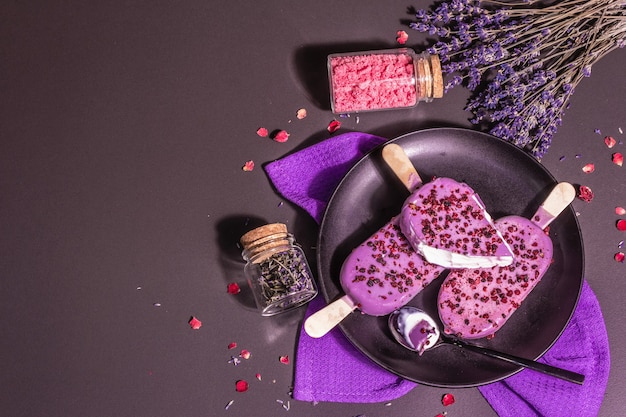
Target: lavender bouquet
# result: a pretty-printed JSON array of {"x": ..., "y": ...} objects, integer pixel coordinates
[{"x": 522, "y": 59}]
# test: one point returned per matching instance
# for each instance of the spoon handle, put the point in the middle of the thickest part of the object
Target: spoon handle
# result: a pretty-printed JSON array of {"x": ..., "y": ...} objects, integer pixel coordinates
[{"x": 527, "y": 363}]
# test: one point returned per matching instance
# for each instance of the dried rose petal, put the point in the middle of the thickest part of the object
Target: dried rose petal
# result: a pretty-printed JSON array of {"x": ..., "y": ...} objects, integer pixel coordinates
[
  {"x": 619, "y": 257},
  {"x": 284, "y": 359},
  {"x": 618, "y": 158},
  {"x": 233, "y": 288},
  {"x": 401, "y": 37},
  {"x": 334, "y": 126},
  {"x": 245, "y": 354},
  {"x": 589, "y": 168},
  {"x": 585, "y": 193},
  {"x": 195, "y": 323},
  {"x": 248, "y": 166},
  {"x": 281, "y": 136},
  {"x": 447, "y": 399},
  {"x": 241, "y": 386},
  {"x": 620, "y": 211},
  {"x": 232, "y": 345},
  {"x": 301, "y": 114},
  {"x": 258, "y": 376},
  {"x": 263, "y": 132},
  {"x": 621, "y": 225},
  {"x": 609, "y": 141}
]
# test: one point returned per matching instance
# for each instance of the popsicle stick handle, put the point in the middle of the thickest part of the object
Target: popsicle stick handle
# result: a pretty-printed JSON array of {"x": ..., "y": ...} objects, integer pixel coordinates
[
  {"x": 560, "y": 197},
  {"x": 324, "y": 320},
  {"x": 401, "y": 165}
]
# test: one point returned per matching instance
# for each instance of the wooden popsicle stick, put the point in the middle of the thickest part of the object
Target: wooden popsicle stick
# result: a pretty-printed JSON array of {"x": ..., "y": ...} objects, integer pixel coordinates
[
  {"x": 325, "y": 319},
  {"x": 401, "y": 165},
  {"x": 559, "y": 198}
]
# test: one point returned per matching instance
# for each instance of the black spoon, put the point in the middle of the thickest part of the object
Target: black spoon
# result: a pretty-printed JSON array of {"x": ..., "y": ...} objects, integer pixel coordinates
[{"x": 416, "y": 330}]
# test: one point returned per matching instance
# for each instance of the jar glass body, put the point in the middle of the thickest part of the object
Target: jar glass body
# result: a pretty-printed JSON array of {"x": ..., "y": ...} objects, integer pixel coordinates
[
  {"x": 382, "y": 79},
  {"x": 279, "y": 275}
]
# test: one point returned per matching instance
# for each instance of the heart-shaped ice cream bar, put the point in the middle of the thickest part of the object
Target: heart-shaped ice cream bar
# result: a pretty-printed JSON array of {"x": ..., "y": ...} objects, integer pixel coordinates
[
  {"x": 448, "y": 224},
  {"x": 475, "y": 303}
]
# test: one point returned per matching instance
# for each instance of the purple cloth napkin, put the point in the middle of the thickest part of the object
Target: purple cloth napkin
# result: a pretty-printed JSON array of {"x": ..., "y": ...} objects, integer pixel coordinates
[{"x": 331, "y": 369}]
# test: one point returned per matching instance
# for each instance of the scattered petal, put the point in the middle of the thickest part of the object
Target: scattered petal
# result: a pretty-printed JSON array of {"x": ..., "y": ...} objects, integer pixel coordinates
[
  {"x": 284, "y": 359},
  {"x": 620, "y": 211},
  {"x": 333, "y": 126},
  {"x": 589, "y": 168},
  {"x": 156, "y": 304},
  {"x": 447, "y": 399},
  {"x": 610, "y": 141},
  {"x": 229, "y": 404},
  {"x": 621, "y": 225},
  {"x": 562, "y": 158},
  {"x": 241, "y": 386},
  {"x": 598, "y": 131},
  {"x": 619, "y": 256},
  {"x": 263, "y": 132},
  {"x": 618, "y": 158},
  {"x": 195, "y": 323},
  {"x": 232, "y": 345},
  {"x": 245, "y": 354},
  {"x": 281, "y": 136},
  {"x": 233, "y": 288},
  {"x": 401, "y": 37},
  {"x": 585, "y": 193},
  {"x": 248, "y": 166},
  {"x": 301, "y": 114},
  {"x": 258, "y": 376},
  {"x": 235, "y": 361}
]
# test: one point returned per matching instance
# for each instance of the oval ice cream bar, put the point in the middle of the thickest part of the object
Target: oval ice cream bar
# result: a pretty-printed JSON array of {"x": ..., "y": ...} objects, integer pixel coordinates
[
  {"x": 475, "y": 303},
  {"x": 448, "y": 224},
  {"x": 384, "y": 273}
]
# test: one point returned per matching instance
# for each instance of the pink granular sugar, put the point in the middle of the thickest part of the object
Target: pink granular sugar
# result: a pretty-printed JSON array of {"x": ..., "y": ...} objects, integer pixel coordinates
[{"x": 369, "y": 82}]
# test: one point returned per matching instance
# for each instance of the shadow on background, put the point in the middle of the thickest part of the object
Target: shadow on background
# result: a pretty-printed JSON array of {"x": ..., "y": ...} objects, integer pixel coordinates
[{"x": 229, "y": 231}]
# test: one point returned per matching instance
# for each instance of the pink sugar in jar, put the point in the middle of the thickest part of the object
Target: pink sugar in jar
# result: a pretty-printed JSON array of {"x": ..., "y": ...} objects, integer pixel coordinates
[{"x": 383, "y": 79}]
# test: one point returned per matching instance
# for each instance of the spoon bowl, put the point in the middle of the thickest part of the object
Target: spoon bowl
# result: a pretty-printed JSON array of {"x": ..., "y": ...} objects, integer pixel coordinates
[{"x": 416, "y": 330}]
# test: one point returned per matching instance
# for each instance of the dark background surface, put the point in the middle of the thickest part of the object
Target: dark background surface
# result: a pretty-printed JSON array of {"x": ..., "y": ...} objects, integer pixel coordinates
[{"x": 124, "y": 129}]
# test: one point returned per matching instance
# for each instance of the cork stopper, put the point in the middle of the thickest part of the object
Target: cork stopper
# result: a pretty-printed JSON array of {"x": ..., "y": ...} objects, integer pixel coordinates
[
  {"x": 437, "y": 76},
  {"x": 264, "y": 238}
]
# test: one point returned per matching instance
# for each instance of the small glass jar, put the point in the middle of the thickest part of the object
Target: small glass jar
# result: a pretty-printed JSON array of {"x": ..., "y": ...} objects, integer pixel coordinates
[
  {"x": 382, "y": 79},
  {"x": 276, "y": 269}
]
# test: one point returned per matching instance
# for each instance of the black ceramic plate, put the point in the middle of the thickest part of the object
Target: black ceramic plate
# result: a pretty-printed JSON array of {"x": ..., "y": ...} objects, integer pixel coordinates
[{"x": 509, "y": 181}]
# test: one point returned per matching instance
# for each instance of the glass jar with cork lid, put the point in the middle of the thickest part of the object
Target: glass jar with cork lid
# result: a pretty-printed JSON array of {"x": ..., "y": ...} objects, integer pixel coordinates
[
  {"x": 276, "y": 269},
  {"x": 383, "y": 79}
]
